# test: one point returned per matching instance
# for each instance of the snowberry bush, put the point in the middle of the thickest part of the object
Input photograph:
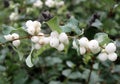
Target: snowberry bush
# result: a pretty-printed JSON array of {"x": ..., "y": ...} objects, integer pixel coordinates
[{"x": 59, "y": 42}]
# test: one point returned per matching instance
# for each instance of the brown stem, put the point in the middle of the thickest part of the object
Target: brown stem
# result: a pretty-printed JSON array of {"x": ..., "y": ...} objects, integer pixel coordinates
[
  {"x": 25, "y": 37},
  {"x": 91, "y": 69},
  {"x": 90, "y": 74}
]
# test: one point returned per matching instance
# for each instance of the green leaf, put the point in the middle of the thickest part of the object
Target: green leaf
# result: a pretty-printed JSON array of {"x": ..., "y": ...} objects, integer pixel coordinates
[
  {"x": 28, "y": 59},
  {"x": 70, "y": 64},
  {"x": 97, "y": 24},
  {"x": 20, "y": 77},
  {"x": 7, "y": 29},
  {"x": 2, "y": 68},
  {"x": 52, "y": 61},
  {"x": 78, "y": 46},
  {"x": 66, "y": 72},
  {"x": 96, "y": 66},
  {"x": 116, "y": 68},
  {"x": 54, "y": 25},
  {"x": 102, "y": 38},
  {"x": 55, "y": 82},
  {"x": 85, "y": 74},
  {"x": 66, "y": 48},
  {"x": 2, "y": 39},
  {"x": 72, "y": 25},
  {"x": 41, "y": 50},
  {"x": 35, "y": 81},
  {"x": 20, "y": 54},
  {"x": 87, "y": 58},
  {"x": 94, "y": 78},
  {"x": 75, "y": 75}
]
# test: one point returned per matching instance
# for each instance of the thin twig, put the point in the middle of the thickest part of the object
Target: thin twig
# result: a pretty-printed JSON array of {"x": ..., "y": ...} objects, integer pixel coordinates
[
  {"x": 91, "y": 69},
  {"x": 25, "y": 37},
  {"x": 90, "y": 74}
]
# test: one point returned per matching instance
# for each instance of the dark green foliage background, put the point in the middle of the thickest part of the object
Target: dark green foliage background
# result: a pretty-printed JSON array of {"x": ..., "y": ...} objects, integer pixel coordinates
[{"x": 51, "y": 66}]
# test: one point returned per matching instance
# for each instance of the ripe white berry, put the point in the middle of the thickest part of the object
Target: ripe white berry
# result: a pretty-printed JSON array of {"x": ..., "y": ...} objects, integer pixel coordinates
[
  {"x": 33, "y": 27},
  {"x": 37, "y": 46},
  {"x": 35, "y": 39},
  {"x": 112, "y": 56},
  {"x": 95, "y": 51},
  {"x": 50, "y": 3},
  {"x": 38, "y": 3},
  {"x": 31, "y": 30},
  {"x": 16, "y": 43},
  {"x": 83, "y": 42},
  {"x": 59, "y": 3},
  {"x": 8, "y": 37},
  {"x": 54, "y": 34},
  {"x": 41, "y": 34},
  {"x": 102, "y": 56},
  {"x": 15, "y": 36},
  {"x": 29, "y": 23},
  {"x": 82, "y": 50},
  {"x": 46, "y": 40},
  {"x": 63, "y": 37},
  {"x": 41, "y": 41},
  {"x": 60, "y": 47},
  {"x": 54, "y": 42},
  {"x": 37, "y": 26},
  {"x": 74, "y": 45},
  {"x": 110, "y": 48},
  {"x": 14, "y": 16},
  {"x": 93, "y": 44}
]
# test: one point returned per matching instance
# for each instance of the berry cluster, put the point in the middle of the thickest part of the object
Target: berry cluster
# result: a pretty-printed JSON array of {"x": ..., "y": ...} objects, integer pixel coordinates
[
  {"x": 38, "y": 3},
  {"x": 14, "y": 16},
  {"x": 33, "y": 27},
  {"x": 93, "y": 46},
  {"x": 14, "y": 38},
  {"x": 53, "y": 3},
  {"x": 38, "y": 38},
  {"x": 108, "y": 53},
  {"x": 58, "y": 40},
  {"x": 86, "y": 45}
]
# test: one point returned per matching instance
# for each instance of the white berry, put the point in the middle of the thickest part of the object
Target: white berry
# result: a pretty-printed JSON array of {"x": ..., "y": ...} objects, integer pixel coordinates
[
  {"x": 60, "y": 3},
  {"x": 83, "y": 42},
  {"x": 112, "y": 56},
  {"x": 95, "y": 51},
  {"x": 93, "y": 44},
  {"x": 102, "y": 56},
  {"x": 63, "y": 37},
  {"x": 54, "y": 42},
  {"x": 33, "y": 27},
  {"x": 31, "y": 30},
  {"x": 8, "y": 37},
  {"x": 54, "y": 34},
  {"x": 37, "y": 46},
  {"x": 41, "y": 41},
  {"x": 50, "y": 3},
  {"x": 35, "y": 39},
  {"x": 110, "y": 48},
  {"x": 15, "y": 36},
  {"x": 38, "y": 3},
  {"x": 37, "y": 26},
  {"x": 46, "y": 40},
  {"x": 16, "y": 43},
  {"x": 29, "y": 23},
  {"x": 14, "y": 16},
  {"x": 82, "y": 50},
  {"x": 60, "y": 47}
]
